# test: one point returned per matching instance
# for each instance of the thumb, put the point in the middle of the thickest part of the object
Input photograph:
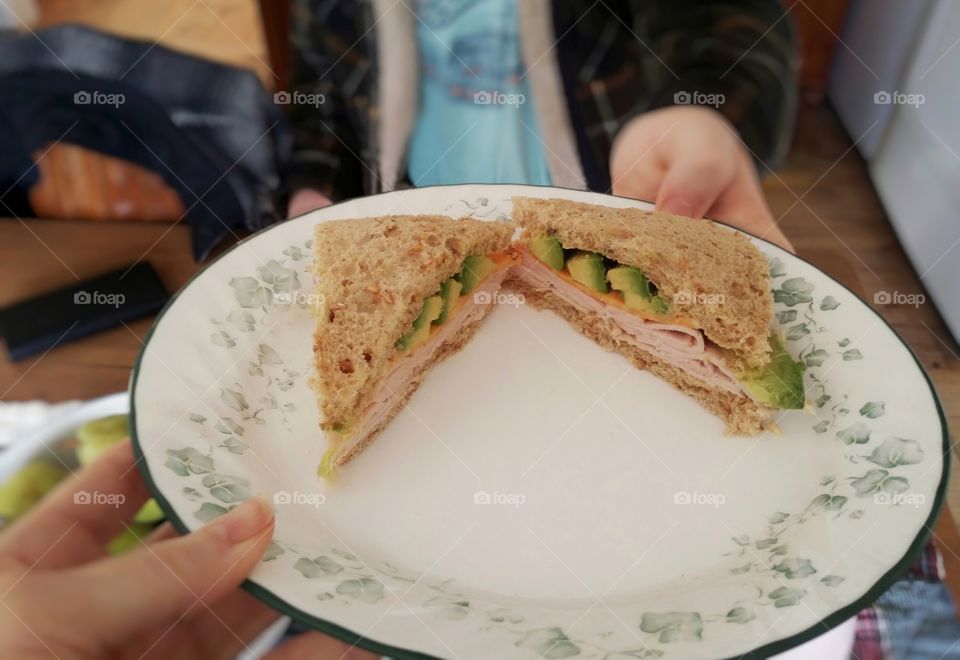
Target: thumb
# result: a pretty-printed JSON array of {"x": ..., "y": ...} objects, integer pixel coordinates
[
  {"x": 156, "y": 584},
  {"x": 692, "y": 184},
  {"x": 306, "y": 200}
]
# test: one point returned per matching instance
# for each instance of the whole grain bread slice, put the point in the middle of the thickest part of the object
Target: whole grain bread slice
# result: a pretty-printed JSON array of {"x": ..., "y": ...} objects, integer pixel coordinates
[
  {"x": 371, "y": 276},
  {"x": 713, "y": 275}
]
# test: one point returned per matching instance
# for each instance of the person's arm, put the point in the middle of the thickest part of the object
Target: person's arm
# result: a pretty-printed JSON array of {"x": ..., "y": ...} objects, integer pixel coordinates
[
  {"x": 723, "y": 81},
  {"x": 325, "y": 165}
]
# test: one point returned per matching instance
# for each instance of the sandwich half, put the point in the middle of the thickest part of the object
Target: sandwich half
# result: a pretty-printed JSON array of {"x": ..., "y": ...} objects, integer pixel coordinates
[
  {"x": 686, "y": 299},
  {"x": 396, "y": 295}
]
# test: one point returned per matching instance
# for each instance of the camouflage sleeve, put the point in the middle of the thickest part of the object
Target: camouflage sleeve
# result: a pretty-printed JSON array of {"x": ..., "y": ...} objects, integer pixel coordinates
[
  {"x": 737, "y": 55},
  {"x": 325, "y": 54}
]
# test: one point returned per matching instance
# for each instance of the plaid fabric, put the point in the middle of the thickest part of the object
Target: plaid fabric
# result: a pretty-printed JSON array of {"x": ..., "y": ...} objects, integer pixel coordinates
[
  {"x": 868, "y": 643},
  {"x": 617, "y": 58},
  {"x": 915, "y": 618},
  {"x": 928, "y": 566}
]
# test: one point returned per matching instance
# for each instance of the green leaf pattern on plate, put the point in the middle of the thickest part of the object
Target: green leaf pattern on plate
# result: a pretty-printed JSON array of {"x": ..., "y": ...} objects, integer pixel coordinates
[
  {"x": 673, "y": 626},
  {"x": 188, "y": 460},
  {"x": 771, "y": 563},
  {"x": 549, "y": 643},
  {"x": 793, "y": 291},
  {"x": 894, "y": 452},
  {"x": 879, "y": 481},
  {"x": 828, "y": 304},
  {"x": 208, "y": 511},
  {"x": 448, "y": 608},
  {"x": 317, "y": 567},
  {"x": 873, "y": 409},
  {"x": 765, "y": 564},
  {"x": 226, "y": 488},
  {"x": 793, "y": 568},
  {"x": 858, "y": 433},
  {"x": 366, "y": 590},
  {"x": 273, "y": 551},
  {"x": 786, "y": 597},
  {"x": 786, "y": 316},
  {"x": 740, "y": 615}
]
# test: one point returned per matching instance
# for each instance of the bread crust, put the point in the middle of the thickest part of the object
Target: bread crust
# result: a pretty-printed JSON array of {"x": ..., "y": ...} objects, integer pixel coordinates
[
  {"x": 741, "y": 414},
  {"x": 710, "y": 273},
  {"x": 371, "y": 276}
]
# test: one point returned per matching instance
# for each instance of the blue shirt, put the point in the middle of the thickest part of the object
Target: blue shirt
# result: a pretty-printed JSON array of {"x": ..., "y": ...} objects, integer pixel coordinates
[{"x": 476, "y": 122}]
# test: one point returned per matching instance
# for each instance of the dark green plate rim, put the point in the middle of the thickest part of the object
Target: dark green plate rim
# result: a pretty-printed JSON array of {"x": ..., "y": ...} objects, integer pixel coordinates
[{"x": 778, "y": 646}]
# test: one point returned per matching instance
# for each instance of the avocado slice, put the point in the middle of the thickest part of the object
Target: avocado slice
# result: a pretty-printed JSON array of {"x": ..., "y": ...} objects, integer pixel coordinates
[
  {"x": 656, "y": 305},
  {"x": 638, "y": 292},
  {"x": 95, "y": 436},
  {"x": 432, "y": 307},
  {"x": 326, "y": 467},
  {"x": 587, "y": 268},
  {"x": 450, "y": 292},
  {"x": 149, "y": 513},
  {"x": 548, "y": 250},
  {"x": 25, "y": 487},
  {"x": 778, "y": 384},
  {"x": 474, "y": 269}
]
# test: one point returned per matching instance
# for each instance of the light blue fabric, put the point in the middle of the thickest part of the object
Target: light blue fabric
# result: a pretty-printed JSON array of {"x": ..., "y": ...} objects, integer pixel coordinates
[
  {"x": 921, "y": 620},
  {"x": 476, "y": 122}
]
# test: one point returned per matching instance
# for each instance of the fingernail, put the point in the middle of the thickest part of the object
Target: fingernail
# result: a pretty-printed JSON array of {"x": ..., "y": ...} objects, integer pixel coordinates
[
  {"x": 244, "y": 522},
  {"x": 678, "y": 206}
]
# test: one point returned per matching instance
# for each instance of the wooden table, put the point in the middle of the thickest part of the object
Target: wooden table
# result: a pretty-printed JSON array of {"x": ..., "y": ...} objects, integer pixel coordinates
[{"x": 38, "y": 255}]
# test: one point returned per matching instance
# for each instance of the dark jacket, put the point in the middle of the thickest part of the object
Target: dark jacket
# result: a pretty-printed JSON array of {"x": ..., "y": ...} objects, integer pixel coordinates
[
  {"x": 209, "y": 130},
  {"x": 616, "y": 59}
]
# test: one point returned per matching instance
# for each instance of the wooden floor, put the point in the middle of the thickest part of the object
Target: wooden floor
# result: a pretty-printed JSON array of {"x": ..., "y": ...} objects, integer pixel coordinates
[{"x": 841, "y": 226}]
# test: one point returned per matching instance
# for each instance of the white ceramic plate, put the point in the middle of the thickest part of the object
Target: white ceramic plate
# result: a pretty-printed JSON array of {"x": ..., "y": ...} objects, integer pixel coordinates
[{"x": 540, "y": 497}]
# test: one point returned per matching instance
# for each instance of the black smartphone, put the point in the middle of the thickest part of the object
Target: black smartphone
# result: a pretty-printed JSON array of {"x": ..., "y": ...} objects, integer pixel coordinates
[{"x": 39, "y": 323}]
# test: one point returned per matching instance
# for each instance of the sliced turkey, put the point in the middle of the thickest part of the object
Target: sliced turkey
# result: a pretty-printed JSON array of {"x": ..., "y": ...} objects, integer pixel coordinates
[
  {"x": 470, "y": 308},
  {"x": 683, "y": 347}
]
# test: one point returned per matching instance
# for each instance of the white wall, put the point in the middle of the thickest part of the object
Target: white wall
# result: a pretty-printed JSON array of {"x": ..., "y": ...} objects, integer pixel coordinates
[
  {"x": 909, "y": 51},
  {"x": 874, "y": 53},
  {"x": 917, "y": 167}
]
